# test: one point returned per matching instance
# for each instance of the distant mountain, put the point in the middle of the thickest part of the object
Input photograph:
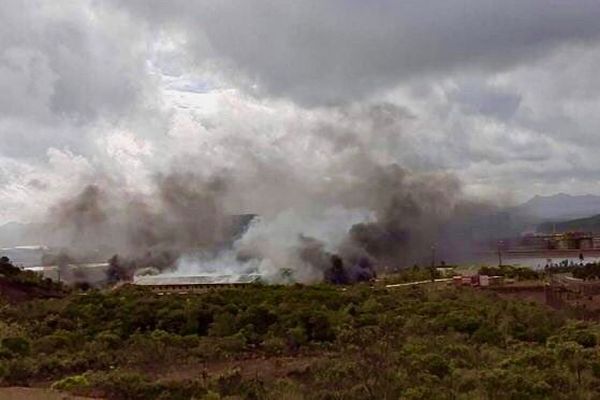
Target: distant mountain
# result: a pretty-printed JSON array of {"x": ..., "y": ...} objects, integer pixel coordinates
[
  {"x": 560, "y": 207},
  {"x": 590, "y": 224}
]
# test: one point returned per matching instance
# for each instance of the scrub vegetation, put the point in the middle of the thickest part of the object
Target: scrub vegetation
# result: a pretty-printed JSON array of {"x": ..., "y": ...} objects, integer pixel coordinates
[{"x": 299, "y": 342}]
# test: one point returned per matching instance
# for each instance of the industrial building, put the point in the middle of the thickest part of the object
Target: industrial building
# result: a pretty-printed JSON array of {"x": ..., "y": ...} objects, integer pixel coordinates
[
  {"x": 197, "y": 283},
  {"x": 557, "y": 241}
]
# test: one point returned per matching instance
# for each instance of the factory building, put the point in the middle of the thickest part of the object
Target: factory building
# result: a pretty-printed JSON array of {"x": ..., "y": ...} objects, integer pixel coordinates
[
  {"x": 191, "y": 284},
  {"x": 559, "y": 241}
]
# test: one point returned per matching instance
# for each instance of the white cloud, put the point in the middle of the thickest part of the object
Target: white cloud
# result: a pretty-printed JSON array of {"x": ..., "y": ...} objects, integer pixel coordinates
[
  {"x": 505, "y": 96},
  {"x": 28, "y": 190}
]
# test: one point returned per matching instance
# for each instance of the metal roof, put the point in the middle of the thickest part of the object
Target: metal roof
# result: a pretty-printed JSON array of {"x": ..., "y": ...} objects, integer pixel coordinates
[{"x": 154, "y": 280}]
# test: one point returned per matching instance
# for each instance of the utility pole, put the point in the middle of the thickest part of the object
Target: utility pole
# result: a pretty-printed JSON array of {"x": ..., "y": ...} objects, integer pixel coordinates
[
  {"x": 500, "y": 253},
  {"x": 433, "y": 263}
]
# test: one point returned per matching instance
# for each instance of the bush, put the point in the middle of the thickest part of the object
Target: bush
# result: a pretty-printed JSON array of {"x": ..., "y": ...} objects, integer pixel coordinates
[
  {"x": 16, "y": 345},
  {"x": 437, "y": 365},
  {"x": 274, "y": 345},
  {"x": 596, "y": 369},
  {"x": 461, "y": 322},
  {"x": 297, "y": 337},
  {"x": 489, "y": 334},
  {"x": 359, "y": 342},
  {"x": 108, "y": 338},
  {"x": 19, "y": 371},
  {"x": 125, "y": 385},
  {"x": 318, "y": 328},
  {"x": 72, "y": 383},
  {"x": 508, "y": 271},
  {"x": 224, "y": 325},
  {"x": 229, "y": 382},
  {"x": 259, "y": 317},
  {"x": 54, "y": 342},
  {"x": 586, "y": 338}
]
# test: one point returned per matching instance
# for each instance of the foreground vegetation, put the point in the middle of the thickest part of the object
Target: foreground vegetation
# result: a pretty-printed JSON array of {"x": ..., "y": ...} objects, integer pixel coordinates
[
  {"x": 588, "y": 271},
  {"x": 296, "y": 342},
  {"x": 19, "y": 285}
]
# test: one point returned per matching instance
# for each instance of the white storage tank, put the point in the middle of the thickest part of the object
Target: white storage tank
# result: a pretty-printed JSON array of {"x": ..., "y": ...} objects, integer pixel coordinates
[{"x": 484, "y": 280}]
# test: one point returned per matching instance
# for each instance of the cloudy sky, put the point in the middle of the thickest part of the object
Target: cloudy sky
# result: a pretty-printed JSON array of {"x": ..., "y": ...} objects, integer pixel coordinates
[{"x": 503, "y": 94}]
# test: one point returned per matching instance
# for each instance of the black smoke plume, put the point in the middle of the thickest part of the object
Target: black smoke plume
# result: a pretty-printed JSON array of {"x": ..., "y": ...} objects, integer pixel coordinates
[{"x": 354, "y": 211}]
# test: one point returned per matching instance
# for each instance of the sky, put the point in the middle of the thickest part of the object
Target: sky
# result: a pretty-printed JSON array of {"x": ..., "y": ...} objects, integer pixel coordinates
[{"x": 503, "y": 95}]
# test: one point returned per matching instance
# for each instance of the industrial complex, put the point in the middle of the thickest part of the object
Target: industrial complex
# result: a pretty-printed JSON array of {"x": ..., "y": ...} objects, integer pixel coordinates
[
  {"x": 529, "y": 244},
  {"x": 198, "y": 283}
]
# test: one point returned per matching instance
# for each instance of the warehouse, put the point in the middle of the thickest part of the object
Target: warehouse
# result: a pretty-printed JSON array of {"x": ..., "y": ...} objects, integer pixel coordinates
[{"x": 196, "y": 283}]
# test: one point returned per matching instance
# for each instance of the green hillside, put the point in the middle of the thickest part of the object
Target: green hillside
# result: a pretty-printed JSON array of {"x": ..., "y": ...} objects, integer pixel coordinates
[
  {"x": 589, "y": 224},
  {"x": 17, "y": 285},
  {"x": 297, "y": 342}
]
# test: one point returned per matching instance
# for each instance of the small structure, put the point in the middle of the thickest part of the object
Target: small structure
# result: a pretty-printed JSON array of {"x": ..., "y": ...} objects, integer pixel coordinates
[
  {"x": 496, "y": 280},
  {"x": 445, "y": 272},
  {"x": 484, "y": 280},
  {"x": 478, "y": 280},
  {"x": 197, "y": 283}
]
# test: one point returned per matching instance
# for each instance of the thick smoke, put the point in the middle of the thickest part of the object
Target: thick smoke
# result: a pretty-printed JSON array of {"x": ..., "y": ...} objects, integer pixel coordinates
[
  {"x": 182, "y": 214},
  {"x": 340, "y": 218}
]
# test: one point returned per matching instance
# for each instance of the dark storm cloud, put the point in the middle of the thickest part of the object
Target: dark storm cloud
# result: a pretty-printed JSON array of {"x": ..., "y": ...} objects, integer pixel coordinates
[
  {"x": 81, "y": 60},
  {"x": 335, "y": 51},
  {"x": 496, "y": 91},
  {"x": 477, "y": 97},
  {"x": 64, "y": 65}
]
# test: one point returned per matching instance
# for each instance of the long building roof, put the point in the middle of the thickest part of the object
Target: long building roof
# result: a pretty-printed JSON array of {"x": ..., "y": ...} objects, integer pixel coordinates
[{"x": 155, "y": 280}]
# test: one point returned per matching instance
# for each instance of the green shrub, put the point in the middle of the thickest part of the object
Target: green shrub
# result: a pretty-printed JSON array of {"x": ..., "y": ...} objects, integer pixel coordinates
[
  {"x": 260, "y": 317},
  {"x": 462, "y": 322},
  {"x": 108, "y": 338},
  {"x": 16, "y": 345},
  {"x": 56, "y": 341},
  {"x": 224, "y": 325},
  {"x": 19, "y": 371},
  {"x": 229, "y": 382},
  {"x": 318, "y": 327},
  {"x": 123, "y": 385},
  {"x": 586, "y": 338},
  {"x": 436, "y": 365},
  {"x": 72, "y": 383},
  {"x": 210, "y": 395},
  {"x": 489, "y": 334},
  {"x": 595, "y": 366},
  {"x": 274, "y": 345},
  {"x": 355, "y": 343},
  {"x": 297, "y": 336}
]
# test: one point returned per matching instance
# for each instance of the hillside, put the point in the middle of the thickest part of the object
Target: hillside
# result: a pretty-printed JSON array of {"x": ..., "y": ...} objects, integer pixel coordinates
[
  {"x": 560, "y": 206},
  {"x": 17, "y": 285},
  {"x": 297, "y": 342},
  {"x": 590, "y": 224}
]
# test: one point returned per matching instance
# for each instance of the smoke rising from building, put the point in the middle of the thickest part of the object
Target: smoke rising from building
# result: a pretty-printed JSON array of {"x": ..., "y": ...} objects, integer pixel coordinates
[
  {"x": 181, "y": 215},
  {"x": 358, "y": 216}
]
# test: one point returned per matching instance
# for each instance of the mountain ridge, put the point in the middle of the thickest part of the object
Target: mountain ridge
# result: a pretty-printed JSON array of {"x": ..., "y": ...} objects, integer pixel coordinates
[{"x": 560, "y": 206}]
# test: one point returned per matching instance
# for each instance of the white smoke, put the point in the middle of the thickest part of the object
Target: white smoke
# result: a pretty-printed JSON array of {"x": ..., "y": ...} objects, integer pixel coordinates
[
  {"x": 270, "y": 244},
  {"x": 320, "y": 179}
]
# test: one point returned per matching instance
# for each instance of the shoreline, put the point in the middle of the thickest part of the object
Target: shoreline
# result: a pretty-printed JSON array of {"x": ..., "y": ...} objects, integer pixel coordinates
[{"x": 546, "y": 254}]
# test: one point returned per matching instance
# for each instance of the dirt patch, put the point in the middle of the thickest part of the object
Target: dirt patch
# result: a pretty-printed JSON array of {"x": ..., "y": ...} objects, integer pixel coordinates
[
  {"x": 535, "y": 296},
  {"x": 525, "y": 291},
  {"x": 22, "y": 393},
  {"x": 263, "y": 368}
]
